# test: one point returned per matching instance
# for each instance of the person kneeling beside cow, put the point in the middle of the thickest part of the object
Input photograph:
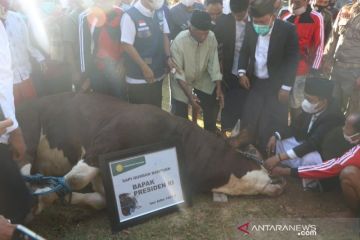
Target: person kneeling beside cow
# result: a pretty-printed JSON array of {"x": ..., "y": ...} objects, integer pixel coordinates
[
  {"x": 346, "y": 167},
  {"x": 301, "y": 143}
]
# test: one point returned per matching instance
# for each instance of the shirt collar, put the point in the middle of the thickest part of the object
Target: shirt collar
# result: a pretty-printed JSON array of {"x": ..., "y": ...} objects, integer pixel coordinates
[{"x": 143, "y": 9}]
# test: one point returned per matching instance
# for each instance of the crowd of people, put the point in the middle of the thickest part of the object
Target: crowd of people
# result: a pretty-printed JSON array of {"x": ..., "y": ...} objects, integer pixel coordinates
[{"x": 290, "y": 72}]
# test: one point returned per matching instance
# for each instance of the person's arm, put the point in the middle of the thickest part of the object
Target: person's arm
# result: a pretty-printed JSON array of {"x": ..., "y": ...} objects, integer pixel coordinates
[
  {"x": 327, "y": 169},
  {"x": 34, "y": 52},
  {"x": 178, "y": 58},
  {"x": 318, "y": 41},
  {"x": 213, "y": 68},
  {"x": 170, "y": 63},
  {"x": 291, "y": 59},
  {"x": 244, "y": 58},
  {"x": 6, "y": 81},
  {"x": 329, "y": 51},
  {"x": 128, "y": 34},
  {"x": 13, "y": 136},
  {"x": 6, "y": 229},
  {"x": 4, "y": 125}
]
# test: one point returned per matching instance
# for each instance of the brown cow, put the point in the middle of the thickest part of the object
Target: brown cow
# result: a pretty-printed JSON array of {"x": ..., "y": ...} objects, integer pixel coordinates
[{"x": 66, "y": 133}]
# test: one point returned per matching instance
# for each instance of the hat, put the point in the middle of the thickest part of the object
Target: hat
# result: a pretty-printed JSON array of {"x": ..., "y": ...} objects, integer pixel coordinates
[
  {"x": 320, "y": 87},
  {"x": 5, "y": 4},
  {"x": 259, "y": 8},
  {"x": 201, "y": 20}
]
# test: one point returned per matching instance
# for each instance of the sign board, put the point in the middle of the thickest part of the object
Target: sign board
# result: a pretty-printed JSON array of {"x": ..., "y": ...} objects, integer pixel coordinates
[{"x": 141, "y": 182}]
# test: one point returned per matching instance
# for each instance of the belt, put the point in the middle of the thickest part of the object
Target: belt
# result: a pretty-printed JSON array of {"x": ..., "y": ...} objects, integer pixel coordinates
[{"x": 346, "y": 65}]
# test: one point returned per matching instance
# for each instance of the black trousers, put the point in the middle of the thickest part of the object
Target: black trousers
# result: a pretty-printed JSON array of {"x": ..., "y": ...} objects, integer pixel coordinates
[
  {"x": 234, "y": 98},
  {"x": 148, "y": 93},
  {"x": 15, "y": 198},
  {"x": 209, "y": 105},
  {"x": 263, "y": 113}
]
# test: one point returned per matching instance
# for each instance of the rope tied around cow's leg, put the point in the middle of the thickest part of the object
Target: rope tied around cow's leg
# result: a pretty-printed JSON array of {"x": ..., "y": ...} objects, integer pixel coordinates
[{"x": 57, "y": 185}]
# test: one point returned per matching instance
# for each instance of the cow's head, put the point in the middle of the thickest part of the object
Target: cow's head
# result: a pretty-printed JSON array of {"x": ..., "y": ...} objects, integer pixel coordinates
[
  {"x": 248, "y": 178},
  {"x": 239, "y": 137}
]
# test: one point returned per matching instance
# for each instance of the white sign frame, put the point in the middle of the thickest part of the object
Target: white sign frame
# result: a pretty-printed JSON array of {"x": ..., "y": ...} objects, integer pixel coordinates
[{"x": 142, "y": 182}]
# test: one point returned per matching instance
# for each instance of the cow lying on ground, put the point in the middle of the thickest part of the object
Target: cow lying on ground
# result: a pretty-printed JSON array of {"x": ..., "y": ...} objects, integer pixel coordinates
[{"x": 66, "y": 133}]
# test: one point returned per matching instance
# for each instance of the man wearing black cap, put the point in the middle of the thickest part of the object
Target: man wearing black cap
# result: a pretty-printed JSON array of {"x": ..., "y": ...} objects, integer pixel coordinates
[
  {"x": 198, "y": 77},
  {"x": 300, "y": 145},
  {"x": 267, "y": 66}
]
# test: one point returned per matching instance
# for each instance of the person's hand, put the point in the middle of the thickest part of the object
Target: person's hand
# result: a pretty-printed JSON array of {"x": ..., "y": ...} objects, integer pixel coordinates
[
  {"x": 17, "y": 144},
  {"x": 283, "y": 96},
  {"x": 270, "y": 148},
  {"x": 172, "y": 66},
  {"x": 6, "y": 229},
  {"x": 220, "y": 97},
  {"x": 271, "y": 162},
  {"x": 195, "y": 104},
  {"x": 43, "y": 66},
  {"x": 5, "y": 124},
  {"x": 244, "y": 82},
  {"x": 148, "y": 73},
  {"x": 279, "y": 171}
]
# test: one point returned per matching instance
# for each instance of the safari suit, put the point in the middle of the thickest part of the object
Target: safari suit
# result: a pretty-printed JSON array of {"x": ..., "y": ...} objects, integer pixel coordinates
[{"x": 343, "y": 52}]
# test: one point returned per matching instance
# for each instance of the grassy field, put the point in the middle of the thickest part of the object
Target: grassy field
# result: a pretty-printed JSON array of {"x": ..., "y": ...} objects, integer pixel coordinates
[{"x": 204, "y": 220}]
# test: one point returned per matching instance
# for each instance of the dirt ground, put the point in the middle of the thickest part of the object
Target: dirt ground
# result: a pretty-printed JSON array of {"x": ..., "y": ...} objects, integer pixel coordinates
[
  {"x": 210, "y": 220},
  {"x": 204, "y": 220}
]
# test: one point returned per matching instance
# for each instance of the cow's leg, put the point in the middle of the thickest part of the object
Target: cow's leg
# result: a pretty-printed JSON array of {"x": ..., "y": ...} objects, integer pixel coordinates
[
  {"x": 253, "y": 183},
  {"x": 81, "y": 175},
  {"x": 94, "y": 200},
  {"x": 78, "y": 177}
]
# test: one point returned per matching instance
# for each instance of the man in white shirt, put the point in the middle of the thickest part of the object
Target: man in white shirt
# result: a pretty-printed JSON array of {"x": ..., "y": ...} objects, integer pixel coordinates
[
  {"x": 15, "y": 200},
  {"x": 267, "y": 67},
  {"x": 145, "y": 39},
  {"x": 230, "y": 33},
  {"x": 21, "y": 49}
]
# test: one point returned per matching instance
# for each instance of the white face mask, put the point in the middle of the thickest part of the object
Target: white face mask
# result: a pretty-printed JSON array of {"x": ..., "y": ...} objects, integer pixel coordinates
[
  {"x": 350, "y": 138},
  {"x": 87, "y": 3},
  {"x": 156, "y": 4},
  {"x": 188, "y": 3},
  {"x": 125, "y": 6},
  {"x": 309, "y": 107},
  {"x": 297, "y": 11}
]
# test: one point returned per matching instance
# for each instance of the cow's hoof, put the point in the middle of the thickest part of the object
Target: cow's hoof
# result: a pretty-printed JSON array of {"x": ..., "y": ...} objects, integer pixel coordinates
[{"x": 274, "y": 190}]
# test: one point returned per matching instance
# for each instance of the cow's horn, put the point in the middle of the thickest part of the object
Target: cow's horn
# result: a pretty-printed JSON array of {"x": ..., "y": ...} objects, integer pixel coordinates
[{"x": 236, "y": 130}]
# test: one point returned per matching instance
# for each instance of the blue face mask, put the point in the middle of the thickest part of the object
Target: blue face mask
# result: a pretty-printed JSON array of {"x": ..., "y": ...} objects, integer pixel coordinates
[{"x": 261, "y": 29}]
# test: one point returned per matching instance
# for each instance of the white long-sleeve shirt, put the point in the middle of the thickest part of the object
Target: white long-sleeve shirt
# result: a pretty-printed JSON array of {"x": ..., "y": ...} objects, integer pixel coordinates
[
  {"x": 20, "y": 47},
  {"x": 6, "y": 84}
]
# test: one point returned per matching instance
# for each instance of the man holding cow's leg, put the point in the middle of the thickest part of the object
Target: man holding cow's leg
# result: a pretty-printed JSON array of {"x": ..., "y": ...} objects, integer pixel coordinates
[
  {"x": 15, "y": 199},
  {"x": 345, "y": 168},
  {"x": 301, "y": 144}
]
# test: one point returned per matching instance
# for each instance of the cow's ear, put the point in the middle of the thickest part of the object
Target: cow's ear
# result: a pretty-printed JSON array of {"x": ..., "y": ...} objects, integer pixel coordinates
[{"x": 236, "y": 130}]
